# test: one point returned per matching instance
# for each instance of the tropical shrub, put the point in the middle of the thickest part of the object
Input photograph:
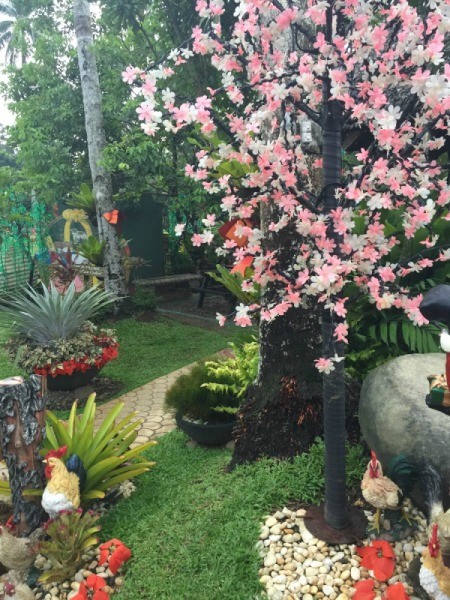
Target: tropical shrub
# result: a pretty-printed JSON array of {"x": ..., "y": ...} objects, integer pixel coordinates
[
  {"x": 83, "y": 200},
  {"x": 105, "y": 453},
  {"x": 233, "y": 281},
  {"x": 233, "y": 376},
  {"x": 92, "y": 250},
  {"x": 144, "y": 299},
  {"x": 70, "y": 535},
  {"x": 189, "y": 398}
]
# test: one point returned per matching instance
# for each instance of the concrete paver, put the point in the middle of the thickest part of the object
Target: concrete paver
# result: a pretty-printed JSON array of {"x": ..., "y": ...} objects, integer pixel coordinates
[{"x": 148, "y": 402}]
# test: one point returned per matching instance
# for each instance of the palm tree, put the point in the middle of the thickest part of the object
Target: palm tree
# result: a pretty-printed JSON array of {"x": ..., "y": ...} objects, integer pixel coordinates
[{"x": 16, "y": 30}]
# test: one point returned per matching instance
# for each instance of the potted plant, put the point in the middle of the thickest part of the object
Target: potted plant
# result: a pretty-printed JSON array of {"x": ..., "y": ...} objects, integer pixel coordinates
[
  {"x": 205, "y": 401},
  {"x": 53, "y": 335},
  {"x": 194, "y": 408}
]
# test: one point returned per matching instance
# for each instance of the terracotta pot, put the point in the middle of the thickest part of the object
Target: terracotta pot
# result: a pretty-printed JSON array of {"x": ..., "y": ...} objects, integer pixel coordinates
[
  {"x": 66, "y": 383},
  {"x": 209, "y": 434}
]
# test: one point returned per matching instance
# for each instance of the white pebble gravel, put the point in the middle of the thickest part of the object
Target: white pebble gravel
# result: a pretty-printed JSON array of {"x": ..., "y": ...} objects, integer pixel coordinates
[{"x": 297, "y": 566}]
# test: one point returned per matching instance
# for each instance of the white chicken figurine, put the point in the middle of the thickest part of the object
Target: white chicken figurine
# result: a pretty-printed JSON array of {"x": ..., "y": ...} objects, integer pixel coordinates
[
  {"x": 378, "y": 490},
  {"x": 434, "y": 576},
  {"x": 62, "y": 491},
  {"x": 17, "y": 553}
]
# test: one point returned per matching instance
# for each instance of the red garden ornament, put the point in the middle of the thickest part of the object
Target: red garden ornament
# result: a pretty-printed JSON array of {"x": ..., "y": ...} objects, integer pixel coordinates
[
  {"x": 114, "y": 553},
  {"x": 379, "y": 558},
  {"x": 228, "y": 231},
  {"x": 243, "y": 265},
  {"x": 112, "y": 217},
  {"x": 92, "y": 589}
]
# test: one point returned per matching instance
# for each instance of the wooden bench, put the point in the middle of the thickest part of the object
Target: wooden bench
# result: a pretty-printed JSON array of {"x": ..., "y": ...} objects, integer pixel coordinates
[
  {"x": 208, "y": 285},
  {"x": 169, "y": 283}
]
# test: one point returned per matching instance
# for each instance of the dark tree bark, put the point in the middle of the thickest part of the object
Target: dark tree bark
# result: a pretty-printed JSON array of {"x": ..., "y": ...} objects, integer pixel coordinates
[
  {"x": 281, "y": 415},
  {"x": 95, "y": 132},
  {"x": 334, "y": 382},
  {"x": 22, "y": 428}
]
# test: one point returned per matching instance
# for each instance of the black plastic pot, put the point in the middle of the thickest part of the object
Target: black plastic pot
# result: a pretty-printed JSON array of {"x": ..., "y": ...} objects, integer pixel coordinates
[
  {"x": 67, "y": 383},
  {"x": 209, "y": 434}
]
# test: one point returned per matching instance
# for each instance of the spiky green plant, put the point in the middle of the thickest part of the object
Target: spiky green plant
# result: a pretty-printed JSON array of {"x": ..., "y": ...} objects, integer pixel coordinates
[
  {"x": 93, "y": 250},
  {"x": 83, "y": 200},
  {"x": 105, "y": 452},
  {"x": 70, "y": 535},
  {"x": 43, "y": 318}
]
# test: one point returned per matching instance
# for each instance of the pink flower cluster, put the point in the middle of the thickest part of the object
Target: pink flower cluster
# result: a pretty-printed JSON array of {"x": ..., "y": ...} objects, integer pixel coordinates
[{"x": 389, "y": 52}]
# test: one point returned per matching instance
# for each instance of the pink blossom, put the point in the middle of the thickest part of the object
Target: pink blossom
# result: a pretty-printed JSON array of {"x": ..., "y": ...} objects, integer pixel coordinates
[{"x": 324, "y": 365}]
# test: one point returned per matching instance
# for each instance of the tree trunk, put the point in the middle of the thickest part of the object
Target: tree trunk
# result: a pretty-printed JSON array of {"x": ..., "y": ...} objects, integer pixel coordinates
[
  {"x": 334, "y": 382},
  {"x": 101, "y": 179},
  {"x": 22, "y": 426},
  {"x": 281, "y": 415}
]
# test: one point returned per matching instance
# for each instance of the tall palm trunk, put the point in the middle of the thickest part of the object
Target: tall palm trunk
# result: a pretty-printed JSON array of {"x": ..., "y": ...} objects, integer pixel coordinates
[
  {"x": 101, "y": 179},
  {"x": 334, "y": 382}
]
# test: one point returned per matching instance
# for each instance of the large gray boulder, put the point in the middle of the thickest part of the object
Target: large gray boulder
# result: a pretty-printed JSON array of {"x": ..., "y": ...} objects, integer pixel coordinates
[{"x": 395, "y": 418}]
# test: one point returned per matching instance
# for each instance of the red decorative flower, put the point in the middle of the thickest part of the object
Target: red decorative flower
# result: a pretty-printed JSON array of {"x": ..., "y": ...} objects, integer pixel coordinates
[
  {"x": 379, "y": 558},
  {"x": 68, "y": 367},
  {"x": 396, "y": 592},
  {"x": 115, "y": 553},
  {"x": 364, "y": 590},
  {"x": 92, "y": 589}
]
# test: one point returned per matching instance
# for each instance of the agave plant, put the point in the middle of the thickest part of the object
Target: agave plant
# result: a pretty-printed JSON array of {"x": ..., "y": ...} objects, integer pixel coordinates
[{"x": 44, "y": 318}]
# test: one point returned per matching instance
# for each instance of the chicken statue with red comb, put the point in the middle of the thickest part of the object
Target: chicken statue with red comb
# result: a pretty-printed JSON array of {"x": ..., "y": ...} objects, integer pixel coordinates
[
  {"x": 64, "y": 480},
  {"x": 434, "y": 576}
]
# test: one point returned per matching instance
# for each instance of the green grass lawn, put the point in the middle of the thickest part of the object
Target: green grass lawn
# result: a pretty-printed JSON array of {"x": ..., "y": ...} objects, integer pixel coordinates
[
  {"x": 192, "y": 527},
  {"x": 6, "y": 368},
  {"x": 151, "y": 350},
  {"x": 147, "y": 350}
]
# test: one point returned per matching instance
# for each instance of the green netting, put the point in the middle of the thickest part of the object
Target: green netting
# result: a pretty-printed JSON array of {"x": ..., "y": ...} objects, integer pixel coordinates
[{"x": 23, "y": 229}]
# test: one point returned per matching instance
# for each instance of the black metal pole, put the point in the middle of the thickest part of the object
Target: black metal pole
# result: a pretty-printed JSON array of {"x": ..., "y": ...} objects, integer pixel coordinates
[{"x": 334, "y": 382}]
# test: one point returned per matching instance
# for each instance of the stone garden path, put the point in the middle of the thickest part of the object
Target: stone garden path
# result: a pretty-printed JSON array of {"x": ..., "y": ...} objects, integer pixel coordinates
[{"x": 148, "y": 402}]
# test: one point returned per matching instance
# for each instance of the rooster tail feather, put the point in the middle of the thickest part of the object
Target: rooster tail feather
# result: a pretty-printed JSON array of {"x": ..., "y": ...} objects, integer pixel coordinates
[
  {"x": 74, "y": 464},
  {"x": 404, "y": 472},
  {"x": 431, "y": 484}
]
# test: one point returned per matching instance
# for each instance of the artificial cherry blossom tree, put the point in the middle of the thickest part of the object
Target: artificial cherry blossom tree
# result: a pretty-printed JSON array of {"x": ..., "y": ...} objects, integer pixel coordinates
[{"x": 366, "y": 76}]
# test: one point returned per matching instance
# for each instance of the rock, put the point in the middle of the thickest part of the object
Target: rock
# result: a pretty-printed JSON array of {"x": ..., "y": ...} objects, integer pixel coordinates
[
  {"x": 355, "y": 574},
  {"x": 394, "y": 417}
]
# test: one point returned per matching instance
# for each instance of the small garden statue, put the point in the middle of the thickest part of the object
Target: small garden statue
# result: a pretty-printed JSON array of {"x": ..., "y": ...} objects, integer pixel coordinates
[
  {"x": 22, "y": 424},
  {"x": 435, "y": 306}
]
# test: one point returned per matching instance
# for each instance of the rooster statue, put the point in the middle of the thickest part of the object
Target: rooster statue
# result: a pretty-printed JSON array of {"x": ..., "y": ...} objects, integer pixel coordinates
[
  {"x": 431, "y": 484},
  {"x": 64, "y": 482},
  {"x": 378, "y": 490},
  {"x": 385, "y": 492},
  {"x": 17, "y": 553},
  {"x": 434, "y": 576}
]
